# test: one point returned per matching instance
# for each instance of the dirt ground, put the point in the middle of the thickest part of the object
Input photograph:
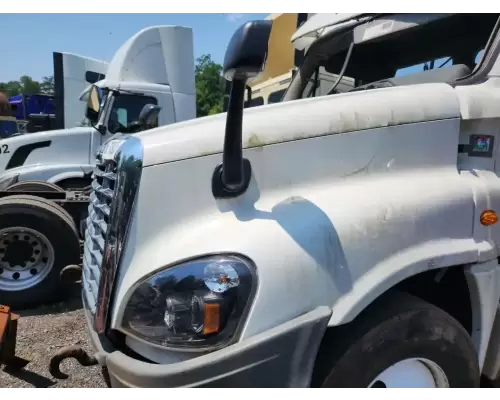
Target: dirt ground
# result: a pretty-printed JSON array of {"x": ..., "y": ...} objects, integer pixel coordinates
[{"x": 41, "y": 332}]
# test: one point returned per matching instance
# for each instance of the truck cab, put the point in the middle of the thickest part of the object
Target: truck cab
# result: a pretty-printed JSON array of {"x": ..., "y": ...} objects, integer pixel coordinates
[
  {"x": 349, "y": 239},
  {"x": 155, "y": 66}
]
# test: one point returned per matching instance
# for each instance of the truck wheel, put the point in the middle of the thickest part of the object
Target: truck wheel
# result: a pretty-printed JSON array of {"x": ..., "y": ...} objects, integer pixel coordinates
[
  {"x": 34, "y": 186},
  {"x": 401, "y": 342},
  {"x": 38, "y": 238}
]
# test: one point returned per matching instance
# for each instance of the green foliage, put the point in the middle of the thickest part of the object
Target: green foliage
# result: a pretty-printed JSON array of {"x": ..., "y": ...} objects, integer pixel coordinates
[
  {"x": 11, "y": 88},
  {"x": 26, "y": 85},
  {"x": 210, "y": 86},
  {"x": 47, "y": 85}
]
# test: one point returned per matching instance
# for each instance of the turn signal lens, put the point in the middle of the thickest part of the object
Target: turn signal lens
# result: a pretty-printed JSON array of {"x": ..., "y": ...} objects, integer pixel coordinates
[{"x": 489, "y": 217}]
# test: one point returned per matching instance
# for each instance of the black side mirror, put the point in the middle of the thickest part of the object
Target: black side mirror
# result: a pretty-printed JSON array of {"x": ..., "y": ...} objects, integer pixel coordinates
[
  {"x": 146, "y": 118},
  {"x": 245, "y": 59},
  {"x": 148, "y": 113}
]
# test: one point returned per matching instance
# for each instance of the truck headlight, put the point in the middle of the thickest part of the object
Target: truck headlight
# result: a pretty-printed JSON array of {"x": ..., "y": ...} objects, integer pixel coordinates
[{"x": 198, "y": 304}]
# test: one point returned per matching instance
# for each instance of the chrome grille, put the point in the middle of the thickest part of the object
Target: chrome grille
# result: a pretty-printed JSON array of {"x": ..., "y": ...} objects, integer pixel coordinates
[
  {"x": 101, "y": 198},
  {"x": 114, "y": 188}
]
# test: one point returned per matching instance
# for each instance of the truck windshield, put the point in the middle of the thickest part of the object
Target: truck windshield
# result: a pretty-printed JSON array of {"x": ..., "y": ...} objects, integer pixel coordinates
[
  {"x": 125, "y": 111},
  {"x": 405, "y": 57}
]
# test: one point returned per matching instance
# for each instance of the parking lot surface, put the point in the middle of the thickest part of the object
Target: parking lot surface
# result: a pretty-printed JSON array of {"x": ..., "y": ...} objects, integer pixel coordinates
[{"x": 43, "y": 331}]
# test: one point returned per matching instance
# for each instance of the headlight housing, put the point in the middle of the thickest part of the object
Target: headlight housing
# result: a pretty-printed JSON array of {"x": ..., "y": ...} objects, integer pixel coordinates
[{"x": 198, "y": 305}]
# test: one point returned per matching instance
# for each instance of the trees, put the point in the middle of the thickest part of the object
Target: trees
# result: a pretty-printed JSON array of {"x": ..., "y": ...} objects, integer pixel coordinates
[
  {"x": 210, "y": 86},
  {"x": 11, "y": 88},
  {"x": 47, "y": 85},
  {"x": 26, "y": 85}
]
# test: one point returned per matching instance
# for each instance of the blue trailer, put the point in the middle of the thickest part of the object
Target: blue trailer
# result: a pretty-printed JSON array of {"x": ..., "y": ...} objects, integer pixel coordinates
[
  {"x": 23, "y": 105},
  {"x": 32, "y": 113}
]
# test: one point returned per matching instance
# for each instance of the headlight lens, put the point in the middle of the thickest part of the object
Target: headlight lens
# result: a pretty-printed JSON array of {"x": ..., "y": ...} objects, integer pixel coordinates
[{"x": 197, "y": 305}]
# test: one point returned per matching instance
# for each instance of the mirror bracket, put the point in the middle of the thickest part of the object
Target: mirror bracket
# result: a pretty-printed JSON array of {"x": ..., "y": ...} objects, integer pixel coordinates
[
  {"x": 232, "y": 177},
  {"x": 222, "y": 191},
  {"x": 101, "y": 129}
]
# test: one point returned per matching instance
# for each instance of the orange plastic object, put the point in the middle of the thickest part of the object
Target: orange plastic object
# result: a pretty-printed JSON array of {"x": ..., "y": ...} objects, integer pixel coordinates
[
  {"x": 211, "y": 323},
  {"x": 489, "y": 217}
]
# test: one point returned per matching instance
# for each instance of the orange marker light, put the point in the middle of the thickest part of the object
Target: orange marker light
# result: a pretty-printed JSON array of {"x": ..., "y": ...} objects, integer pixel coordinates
[
  {"x": 211, "y": 323},
  {"x": 489, "y": 217}
]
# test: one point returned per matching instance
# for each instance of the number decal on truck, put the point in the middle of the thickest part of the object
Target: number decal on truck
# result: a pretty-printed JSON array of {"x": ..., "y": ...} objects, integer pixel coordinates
[
  {"x": 4, "y": 149},
  {"x": 20, "y": 154}
]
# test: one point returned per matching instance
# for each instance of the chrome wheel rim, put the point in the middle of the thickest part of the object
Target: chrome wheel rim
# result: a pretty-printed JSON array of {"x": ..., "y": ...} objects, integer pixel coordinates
[
  {"x": 26, "y": 258},
  {"x": 412, "y": 373}
]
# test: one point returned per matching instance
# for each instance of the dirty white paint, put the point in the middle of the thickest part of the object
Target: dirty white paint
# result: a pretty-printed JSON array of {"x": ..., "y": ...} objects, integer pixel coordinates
[
  {"x": 325, "y": 220},
  {"x": 350, "y": 194},
  {"x": 301, "y": 119}
]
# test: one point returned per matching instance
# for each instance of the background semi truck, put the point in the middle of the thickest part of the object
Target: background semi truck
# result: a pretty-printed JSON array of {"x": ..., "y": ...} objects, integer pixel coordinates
[
  {"x": 152, "y": 71},
  {"x": 282, "y": 62},
  {"x": 65, "y": 109},
  {"x": 345, "y": 240},
  {"x": 33, "y": 112}
]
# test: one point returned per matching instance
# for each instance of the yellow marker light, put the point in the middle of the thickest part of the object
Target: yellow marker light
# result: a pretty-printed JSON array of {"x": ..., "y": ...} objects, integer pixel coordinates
[
  {"x": 211, "y": 323},
  {"x": 489, "y": 217}
]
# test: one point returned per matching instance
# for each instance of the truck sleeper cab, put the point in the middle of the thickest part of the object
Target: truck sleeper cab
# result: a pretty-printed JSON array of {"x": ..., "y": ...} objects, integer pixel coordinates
[{"x": 336, "y": 241}]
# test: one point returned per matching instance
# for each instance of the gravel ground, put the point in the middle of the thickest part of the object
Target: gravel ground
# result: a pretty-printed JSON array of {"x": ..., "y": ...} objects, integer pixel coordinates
[{"x": 41, "y": 332}]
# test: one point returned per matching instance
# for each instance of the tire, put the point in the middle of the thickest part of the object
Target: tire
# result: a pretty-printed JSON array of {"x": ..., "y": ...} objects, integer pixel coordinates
[
  {"x": 64, "y": 185},
  {"x": 400, "y": 327},
  {"x": 34, "y": 186},
  {"x": 40, "y": 221}
]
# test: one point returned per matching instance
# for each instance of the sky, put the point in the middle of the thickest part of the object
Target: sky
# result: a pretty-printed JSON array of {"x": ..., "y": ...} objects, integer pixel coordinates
[{"x": 31, "y": 38}]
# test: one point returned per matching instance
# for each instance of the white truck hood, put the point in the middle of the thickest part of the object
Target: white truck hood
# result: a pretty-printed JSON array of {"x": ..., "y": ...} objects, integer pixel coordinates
[
  {"x": 47, "y": 135},
  {"x": 62, "y": 146},
  {"x": 296, "y": 120}
]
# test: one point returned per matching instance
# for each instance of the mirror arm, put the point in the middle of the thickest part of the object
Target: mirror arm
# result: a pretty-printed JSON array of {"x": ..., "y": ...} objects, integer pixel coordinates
[
  {"x": 245, "y": 58},
  {"x": 101, "y": 129},
  {"x": 232, "y": 177}
]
